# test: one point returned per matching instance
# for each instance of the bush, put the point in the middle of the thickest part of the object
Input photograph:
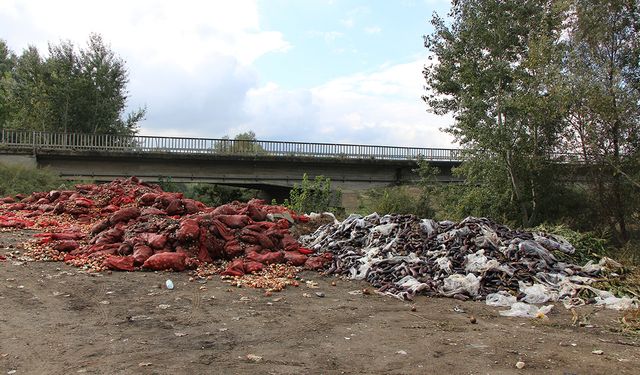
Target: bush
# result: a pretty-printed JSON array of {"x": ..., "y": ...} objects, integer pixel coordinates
[
  {"x": 209, "y": 194},
  {"x": 589, "y": 245},
  {"x": 313, "y": 196},
  {"x": 23, "y": 180},
  {"x": 396, "y": 200},
  {"x": 217, "y": 195}
]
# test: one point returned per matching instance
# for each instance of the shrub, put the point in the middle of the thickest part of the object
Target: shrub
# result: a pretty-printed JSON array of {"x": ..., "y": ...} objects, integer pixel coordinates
[
  {"x": 589, "y": 245},
  {"x": 216, "y": 195},
  {"x": 396, "y": 200},
  {"x": 18, "y": 179},
  {"x": 313, "y": 196},
  {"x": 209, "y": 194}
]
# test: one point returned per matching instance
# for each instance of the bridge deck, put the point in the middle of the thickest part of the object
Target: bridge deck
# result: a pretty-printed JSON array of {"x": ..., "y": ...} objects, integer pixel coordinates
[{"x": 35, "y": 142}]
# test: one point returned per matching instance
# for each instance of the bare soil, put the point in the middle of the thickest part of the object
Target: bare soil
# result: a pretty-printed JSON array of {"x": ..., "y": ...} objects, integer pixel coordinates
[{"x": 57, "y": 319}]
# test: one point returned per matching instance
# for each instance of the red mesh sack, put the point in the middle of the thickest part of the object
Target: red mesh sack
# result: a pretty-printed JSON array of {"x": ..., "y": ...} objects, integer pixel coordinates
[
  {"x": 119, "y": 263},
  {"x": 147, "y": 199},
  {"x": 124, "y": 214},
  {"x": 154, "y": 240},
  {"x": 233, "y": 249},
  {"x": 141, "y": 253},
  {"x": 252, "y": 267},
  {"x": 317, "y": 262},
  {"x": 235, "y": 268},
  {"x": 189, "y": 230},
  {"x": 268, "y": 257},
  {"x": 295, "y": 258},
  {"x": 175, "y": 207},
  {"x": 66, "y": 246},
  {"x": 224, "y": 232},
  {"x": 166, "y": 261},
  {"x": 225, "y": 209},
  {"x": 234, "y": 221}
]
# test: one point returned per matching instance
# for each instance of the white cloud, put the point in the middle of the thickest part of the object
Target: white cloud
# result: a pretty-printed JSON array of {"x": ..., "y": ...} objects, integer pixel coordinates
[
  {"x": 353, "y": 14},
  {"x": 372, "y": 30},
  {"x": 382, "y": 107},
  {"x": 328, "y": 36},
  {"x": 348, "y": 22},
  {"x": 189, "y": 61},
  {"x": 184, "y": 33}
]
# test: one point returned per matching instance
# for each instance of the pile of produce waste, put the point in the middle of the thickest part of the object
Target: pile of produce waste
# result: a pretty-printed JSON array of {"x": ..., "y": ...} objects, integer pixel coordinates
[
  {"x": 403, "y": 255},
  {"x": 129, "y": 225}
]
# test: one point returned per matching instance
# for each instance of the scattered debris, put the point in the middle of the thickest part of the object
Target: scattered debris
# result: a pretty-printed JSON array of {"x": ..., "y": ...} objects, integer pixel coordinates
[
  {"x": 403, "y": 255},
  {"x": 254, "y": 358},
  {"x": 129, "y": 225}
]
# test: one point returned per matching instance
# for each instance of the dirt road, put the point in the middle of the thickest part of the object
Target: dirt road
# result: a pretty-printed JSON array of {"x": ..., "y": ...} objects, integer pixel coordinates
[{"x": 56, "y": 319}]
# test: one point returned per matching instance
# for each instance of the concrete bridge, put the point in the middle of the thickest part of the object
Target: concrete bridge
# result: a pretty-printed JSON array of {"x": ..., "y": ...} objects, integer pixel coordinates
[{"x": 271, "y": 166}]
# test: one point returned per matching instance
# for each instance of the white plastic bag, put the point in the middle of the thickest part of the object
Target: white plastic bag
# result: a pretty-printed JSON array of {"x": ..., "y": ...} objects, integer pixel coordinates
[
  {"x": 524, "y": 310},
  {"x": 616, "y": 303},
  {"x": 457, "y": 283},
  {"x": 410, "y": 283},
  {"x": 537, "y": 293},
  {"x": 478, "y": 262},
  {"x": 501, "y": 298}
]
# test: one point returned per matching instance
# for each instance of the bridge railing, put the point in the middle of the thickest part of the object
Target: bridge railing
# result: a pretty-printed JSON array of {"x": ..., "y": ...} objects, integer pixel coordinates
[{"x": 49, "y": 141}]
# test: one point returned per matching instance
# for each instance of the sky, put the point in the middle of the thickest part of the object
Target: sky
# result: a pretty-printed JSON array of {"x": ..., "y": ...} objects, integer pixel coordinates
[{"x": 337, "y": 71}]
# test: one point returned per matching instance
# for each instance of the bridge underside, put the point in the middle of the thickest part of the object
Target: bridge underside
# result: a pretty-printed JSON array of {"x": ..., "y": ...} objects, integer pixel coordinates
[
  {"x": 273, "y": 175},
  {"x": 350, "y": 174}
]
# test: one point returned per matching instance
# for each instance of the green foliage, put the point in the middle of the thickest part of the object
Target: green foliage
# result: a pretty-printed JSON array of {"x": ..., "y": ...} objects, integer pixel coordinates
[
  {"x": 216, "y": 195},
  {"x": 589, "y": 245},
  {"x": 493, "y": 69},
  {"x": 396, "y": 200},
  {"x": 243, "y": 143},
  {"x": 209, "y": 194},
  {"x": 526, "y": 79},
  {"x": 167, "y": 184},
  {"x": 313, "y": 196},
  {"x": 603, "y": 79},
  {"x": 67, "y": 91},
  {"x": 22, "y": 180}
]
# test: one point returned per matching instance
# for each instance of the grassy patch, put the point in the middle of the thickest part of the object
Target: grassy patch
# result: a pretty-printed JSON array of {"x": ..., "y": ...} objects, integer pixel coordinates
[{"x": 18, "y": 179}]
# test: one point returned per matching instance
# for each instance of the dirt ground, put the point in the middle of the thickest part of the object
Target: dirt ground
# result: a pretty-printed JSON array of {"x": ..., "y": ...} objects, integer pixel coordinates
[{"x": 57, "y": 319}]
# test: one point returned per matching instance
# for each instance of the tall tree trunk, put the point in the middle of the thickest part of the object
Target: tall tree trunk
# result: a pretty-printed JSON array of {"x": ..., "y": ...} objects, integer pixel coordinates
[{"x": 619, "y": 208}]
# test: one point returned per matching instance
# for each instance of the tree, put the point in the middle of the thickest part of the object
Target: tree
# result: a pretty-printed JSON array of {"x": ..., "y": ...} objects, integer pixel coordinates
[
  {"x": 64, "y": 86},
  {"x": 242, "y": 143},
  {"x": 313, "y": 196},
  {"x": 492, "y": 68},
  {"x": 7, "y": 65},
  {"x": 67, "y": 91},
  {"x": 105, "y": 78},
  {"x": 30, "y": 107},
  {"x": 603, "y": 72}
]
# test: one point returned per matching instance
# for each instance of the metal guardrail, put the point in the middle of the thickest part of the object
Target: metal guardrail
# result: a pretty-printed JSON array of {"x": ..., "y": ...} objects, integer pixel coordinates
[{"x": 46, "y": 141}]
